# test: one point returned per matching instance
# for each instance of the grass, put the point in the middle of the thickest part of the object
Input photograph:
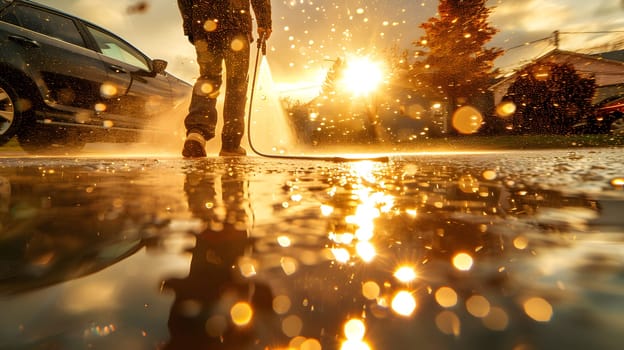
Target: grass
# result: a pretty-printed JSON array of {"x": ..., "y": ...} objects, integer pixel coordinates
[{"x": 521, "y": 142}]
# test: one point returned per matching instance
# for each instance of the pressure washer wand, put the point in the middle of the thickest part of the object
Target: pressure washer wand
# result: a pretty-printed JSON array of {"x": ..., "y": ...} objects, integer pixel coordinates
[{"x": 261, "y": 47}]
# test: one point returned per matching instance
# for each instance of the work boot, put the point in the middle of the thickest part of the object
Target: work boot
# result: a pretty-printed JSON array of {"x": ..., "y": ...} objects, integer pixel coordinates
[
  {"x": 236, "y": 152},
  {"x": 194, "y": 146}
]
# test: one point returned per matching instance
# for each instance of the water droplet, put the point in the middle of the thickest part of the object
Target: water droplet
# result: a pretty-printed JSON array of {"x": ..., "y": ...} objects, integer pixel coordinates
[{"x": 467, "y": 120}]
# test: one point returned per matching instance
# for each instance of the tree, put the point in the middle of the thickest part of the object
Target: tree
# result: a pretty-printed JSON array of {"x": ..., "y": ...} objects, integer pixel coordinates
[
  {"x": 456, "y": 64},
  {"x": 333, "y": 76},
  {"x": 550, "y": 98}
]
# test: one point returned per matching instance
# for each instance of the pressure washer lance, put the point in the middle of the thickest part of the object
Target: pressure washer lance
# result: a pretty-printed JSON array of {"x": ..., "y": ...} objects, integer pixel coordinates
[{"x": 261, "y": 47}]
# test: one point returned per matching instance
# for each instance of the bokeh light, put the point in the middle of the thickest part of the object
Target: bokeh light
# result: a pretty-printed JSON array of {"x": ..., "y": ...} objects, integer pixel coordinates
[
  {"x": 241, "y": 313},
  {"x": 521, "y": 242},
  {"x": 292, "y": 326},
  {"x": 467, "y": 120},
  {"x": 505, "y": 109},
  {"x": 496, "y": 320},
  {"x": 490, "y": 175},
  {"x": 405, "y": 274},
  {"x": 366, "y": 251},
  {"x": 354, "y": 329},
  {"x": 289, "y": 265},
  {"x": 463, "y": 261},
  {"x": 108, "y": 90},
  {"x": 371, "y": 290},
  {"x": 538, "y": 309},
  {"x": 478, "y": 306},
  {"x": 446, "y": 297},
  {"x": 216, "y": 326},
  {"x": 404, "y": 303},
  {"x": 281, "y": 304},
  {"x": 448, "y": 323}
]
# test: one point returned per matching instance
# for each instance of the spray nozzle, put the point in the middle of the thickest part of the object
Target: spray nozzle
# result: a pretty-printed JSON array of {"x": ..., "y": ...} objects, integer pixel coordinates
[{"x": 262, "y": 44}]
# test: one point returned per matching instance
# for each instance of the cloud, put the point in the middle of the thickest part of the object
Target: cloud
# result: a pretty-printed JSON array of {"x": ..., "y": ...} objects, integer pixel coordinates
[{"x": 531, "y": 16}]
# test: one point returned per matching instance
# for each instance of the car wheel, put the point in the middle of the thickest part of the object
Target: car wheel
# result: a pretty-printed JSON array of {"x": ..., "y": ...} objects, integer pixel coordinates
[
  {"x": 10, "y": 115},
  {"x": 617, "y": 127},
  {"x": 37, "y": 139}
]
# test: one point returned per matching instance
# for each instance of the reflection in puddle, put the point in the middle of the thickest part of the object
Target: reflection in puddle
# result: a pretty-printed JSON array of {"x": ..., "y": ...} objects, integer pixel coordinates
[{"x": 240, "y": 254}]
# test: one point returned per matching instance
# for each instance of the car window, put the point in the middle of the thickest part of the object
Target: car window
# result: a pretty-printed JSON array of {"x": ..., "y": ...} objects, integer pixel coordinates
[
  {"x": 118, "y": 49},
  {"x": 44, "y": 22}
]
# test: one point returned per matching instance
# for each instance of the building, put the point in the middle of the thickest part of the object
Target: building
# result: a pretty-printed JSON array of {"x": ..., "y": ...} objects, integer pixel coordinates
[{"x": 606, "y": 68}]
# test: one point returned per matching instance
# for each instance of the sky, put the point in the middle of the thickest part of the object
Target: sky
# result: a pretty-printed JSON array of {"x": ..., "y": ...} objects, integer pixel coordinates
[{"x": 308, "y": 34}]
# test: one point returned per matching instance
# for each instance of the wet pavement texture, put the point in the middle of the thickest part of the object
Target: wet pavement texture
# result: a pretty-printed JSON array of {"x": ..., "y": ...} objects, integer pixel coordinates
[{"x": 513, "y": 250}]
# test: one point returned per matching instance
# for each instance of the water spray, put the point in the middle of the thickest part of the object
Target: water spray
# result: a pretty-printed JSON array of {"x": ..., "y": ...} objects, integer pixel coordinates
[{"x": 262, "y": 48}]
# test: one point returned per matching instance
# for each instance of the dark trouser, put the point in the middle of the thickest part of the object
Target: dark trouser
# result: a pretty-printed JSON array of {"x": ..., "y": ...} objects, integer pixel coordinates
[{"x": 212, "y": 50}]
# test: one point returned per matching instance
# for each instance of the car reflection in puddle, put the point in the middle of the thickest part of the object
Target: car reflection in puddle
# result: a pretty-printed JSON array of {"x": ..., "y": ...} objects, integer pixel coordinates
[{"x": 243, "y": 254}]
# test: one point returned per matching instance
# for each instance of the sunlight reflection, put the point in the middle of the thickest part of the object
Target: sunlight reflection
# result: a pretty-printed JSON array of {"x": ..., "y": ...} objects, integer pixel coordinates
[
  {"x": 366, "y": 251},
  {"x": 341, "y": 255},
  {"x": 404, "y": 303},
  {"x": 462, "y": 261},
  {"x": 354, "y": 345},
  {"x": 326, "y": 210},
  {"x": 405, "y": 274},
  {"x": 618, "y": 182},
  {"x": 354, "y": 329},
  {"x": 284, "y": 241}
]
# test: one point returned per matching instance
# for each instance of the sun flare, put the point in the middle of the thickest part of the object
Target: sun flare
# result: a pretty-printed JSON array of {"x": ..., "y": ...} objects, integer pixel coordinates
[{"x": 362, "y": 76}]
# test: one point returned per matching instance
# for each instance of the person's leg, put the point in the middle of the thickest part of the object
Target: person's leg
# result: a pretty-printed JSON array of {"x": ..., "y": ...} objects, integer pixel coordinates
[
  {"x": 237, "y": 67},
  {"x": 201, "y": 120}
]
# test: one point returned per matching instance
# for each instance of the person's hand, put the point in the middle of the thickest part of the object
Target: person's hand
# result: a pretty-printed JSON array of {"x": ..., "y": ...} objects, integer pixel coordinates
[{"x": 264, "y": 33}]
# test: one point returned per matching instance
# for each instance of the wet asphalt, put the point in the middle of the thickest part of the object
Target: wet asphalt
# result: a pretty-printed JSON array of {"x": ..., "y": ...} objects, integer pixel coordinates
[{"x": 496, "y": 250}]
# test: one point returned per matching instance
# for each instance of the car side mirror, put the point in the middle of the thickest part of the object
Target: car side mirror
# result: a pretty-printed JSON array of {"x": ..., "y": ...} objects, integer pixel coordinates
[{"x": 159, "y": 66}]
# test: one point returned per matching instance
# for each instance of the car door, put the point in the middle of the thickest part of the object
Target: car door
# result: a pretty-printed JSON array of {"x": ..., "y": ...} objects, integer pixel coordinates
[
  {"x": 51, "y": 49},
  {"x": 138, "y": 92}
]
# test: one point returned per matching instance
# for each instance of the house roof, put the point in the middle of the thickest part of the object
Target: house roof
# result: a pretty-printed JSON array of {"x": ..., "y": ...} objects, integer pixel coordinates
[
  {"x": 601, "y": 67},
  {"x": 607, "y": 71},
  {"x": 612, "y": 55}
]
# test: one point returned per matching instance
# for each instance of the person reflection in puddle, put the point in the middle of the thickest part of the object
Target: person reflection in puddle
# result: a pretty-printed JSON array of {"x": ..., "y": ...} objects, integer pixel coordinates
[{"x": 215, "y": 306}]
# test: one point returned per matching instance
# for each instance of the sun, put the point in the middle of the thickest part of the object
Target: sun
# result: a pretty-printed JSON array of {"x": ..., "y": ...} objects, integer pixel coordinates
[{"x": 362, "y": 76}]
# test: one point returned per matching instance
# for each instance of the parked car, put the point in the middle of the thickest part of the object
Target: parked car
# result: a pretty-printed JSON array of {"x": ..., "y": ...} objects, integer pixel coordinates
[
  {"x": 65, "y": 81},
  {"x": 611, "y": 114},
  {"x": 607, "y": 118}
]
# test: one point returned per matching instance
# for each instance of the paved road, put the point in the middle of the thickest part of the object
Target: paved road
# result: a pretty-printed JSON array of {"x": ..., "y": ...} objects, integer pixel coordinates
[{"x": 474, "y": 250}]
